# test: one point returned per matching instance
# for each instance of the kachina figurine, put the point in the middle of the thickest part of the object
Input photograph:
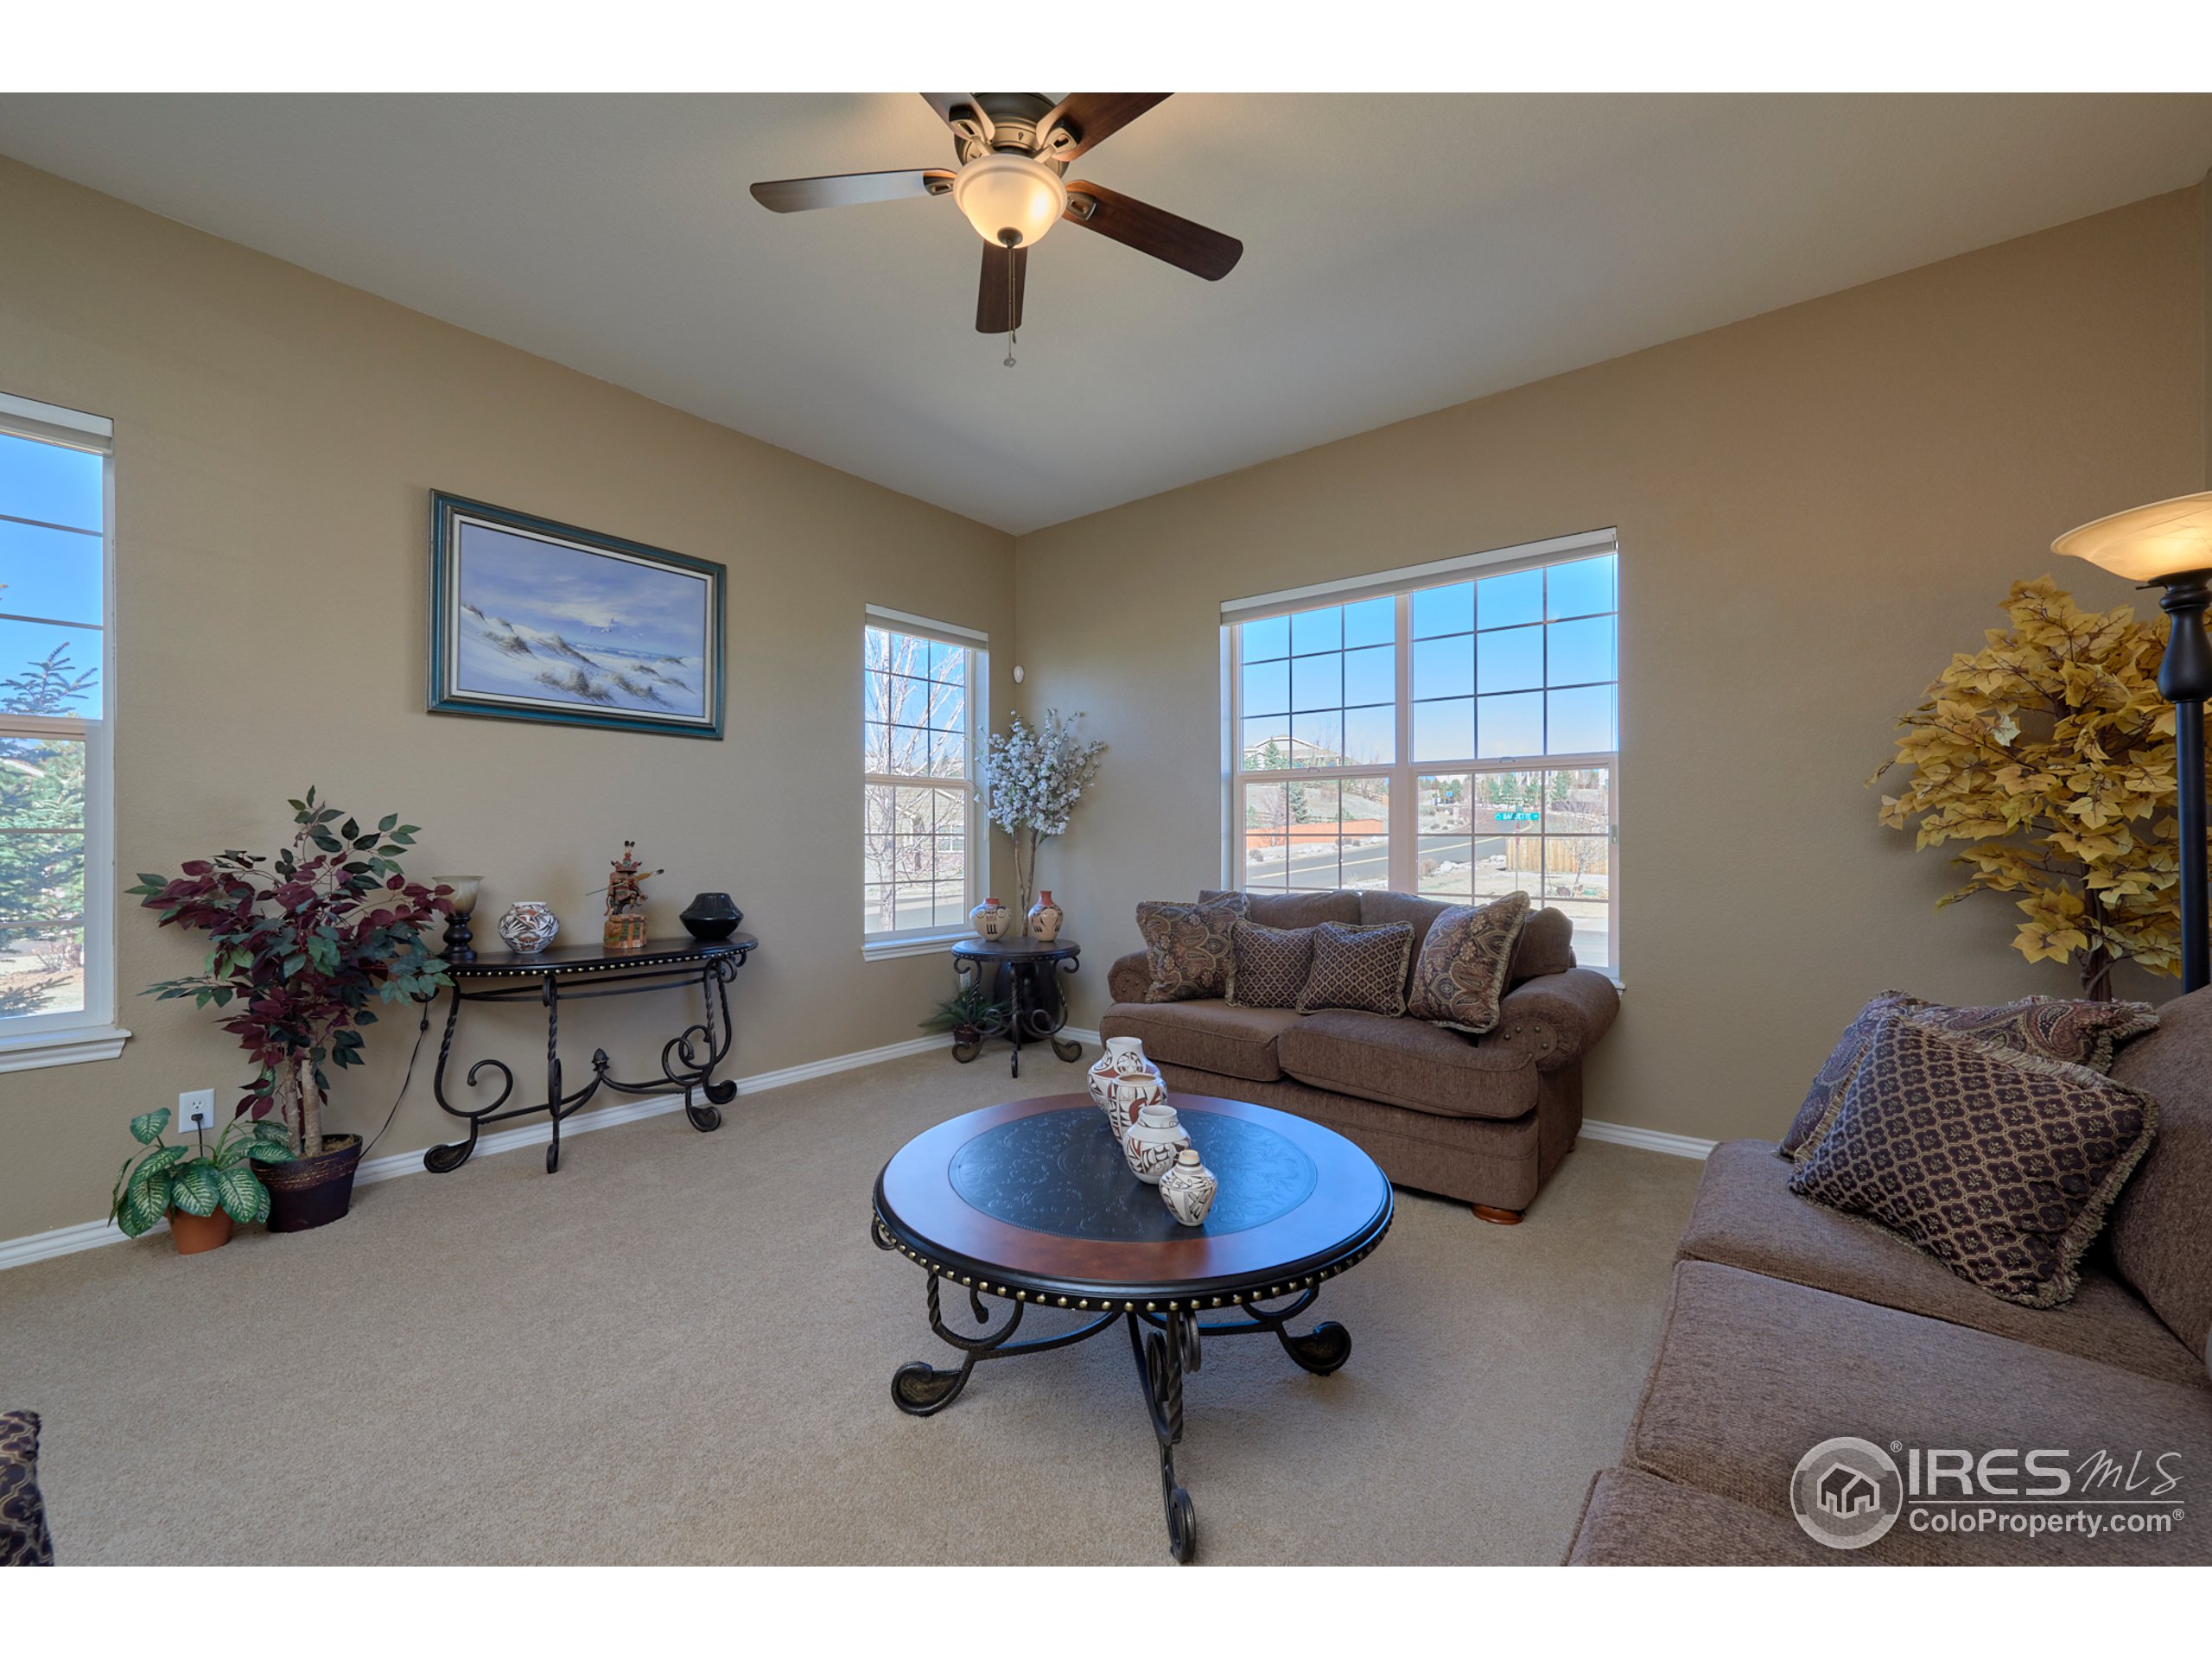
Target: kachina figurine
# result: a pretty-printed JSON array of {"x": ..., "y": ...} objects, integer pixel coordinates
[{"x": 626, "y": 901}]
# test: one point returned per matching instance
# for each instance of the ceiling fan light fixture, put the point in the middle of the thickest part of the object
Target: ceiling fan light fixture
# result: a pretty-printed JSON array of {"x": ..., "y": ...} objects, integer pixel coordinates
[{"x": 1011, "y": 200}]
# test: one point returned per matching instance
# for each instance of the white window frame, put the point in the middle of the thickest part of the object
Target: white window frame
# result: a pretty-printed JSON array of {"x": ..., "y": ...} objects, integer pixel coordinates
[
  {"x": 1400, "y": 585},
  {"x": 933, "y": 939},
  {"x": 33, "y": 1041}
]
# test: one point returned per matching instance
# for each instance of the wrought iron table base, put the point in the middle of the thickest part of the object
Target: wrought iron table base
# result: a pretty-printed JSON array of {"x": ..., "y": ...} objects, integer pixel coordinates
[
  {"x": 1025, "y": 1021},
  {"x": 682, "y": 1062},
  {"x": 1166, "y": 1346}
]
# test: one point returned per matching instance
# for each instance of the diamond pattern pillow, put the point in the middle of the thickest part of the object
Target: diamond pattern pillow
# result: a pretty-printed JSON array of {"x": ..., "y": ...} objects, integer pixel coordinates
[
  {"x": 1268, "y": 966},
  {"x": 1462, "y": 972},
  {"x": 2048, "y": 1027},
  {"x": 24, "y": 1541},
  {"x": 1999, "y": 1164},
  {"x": 1358, "y": 967},
  {"x": 1187, "y": 947}
]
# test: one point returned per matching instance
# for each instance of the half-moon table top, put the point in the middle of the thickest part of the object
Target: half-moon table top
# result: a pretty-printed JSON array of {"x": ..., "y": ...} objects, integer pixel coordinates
[{"x": 1033, "y": 1199}]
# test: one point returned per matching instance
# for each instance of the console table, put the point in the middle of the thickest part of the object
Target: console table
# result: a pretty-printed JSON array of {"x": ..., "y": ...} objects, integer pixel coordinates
[{"x": 572, "y": 973}]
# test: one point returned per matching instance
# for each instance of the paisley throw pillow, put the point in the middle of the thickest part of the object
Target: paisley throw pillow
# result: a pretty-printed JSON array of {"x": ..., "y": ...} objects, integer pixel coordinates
[
  {"x": 1465, "y": 963},
  {"x": 1187, "y": 947}
]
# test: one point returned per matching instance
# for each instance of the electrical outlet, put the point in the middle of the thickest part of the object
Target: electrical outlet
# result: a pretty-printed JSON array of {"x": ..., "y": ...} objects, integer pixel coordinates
[{"x": 195, "y": 1109}]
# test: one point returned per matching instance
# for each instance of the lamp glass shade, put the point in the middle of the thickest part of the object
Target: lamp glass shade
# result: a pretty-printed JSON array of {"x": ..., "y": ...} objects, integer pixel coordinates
[
  {"x": 1007, "y": 194},
  {"x": 464, "y": 891},
  {"x": 2147, "y": 543}
]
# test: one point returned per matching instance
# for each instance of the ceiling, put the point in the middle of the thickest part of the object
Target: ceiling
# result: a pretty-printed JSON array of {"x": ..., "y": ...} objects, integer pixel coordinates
[{"x": 1403, "y": 253}]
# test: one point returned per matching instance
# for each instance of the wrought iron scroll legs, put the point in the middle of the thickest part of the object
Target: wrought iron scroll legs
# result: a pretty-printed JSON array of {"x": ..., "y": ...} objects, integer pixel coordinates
[
  {"x": 1030, "y": 1016},
  {"x": 1162, "y": 1356}
]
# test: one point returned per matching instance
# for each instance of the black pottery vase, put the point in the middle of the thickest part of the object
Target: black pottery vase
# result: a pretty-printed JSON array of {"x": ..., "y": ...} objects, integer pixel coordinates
[{"x": 711, "y": 916}]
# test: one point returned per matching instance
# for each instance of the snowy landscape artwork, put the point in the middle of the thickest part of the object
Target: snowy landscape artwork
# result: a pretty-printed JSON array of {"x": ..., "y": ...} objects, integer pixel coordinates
[{"x": 541, "y": 621}]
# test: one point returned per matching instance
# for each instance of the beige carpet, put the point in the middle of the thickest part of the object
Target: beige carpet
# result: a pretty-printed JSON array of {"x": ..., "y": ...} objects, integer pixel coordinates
[{"x": 680, "y": 1348}]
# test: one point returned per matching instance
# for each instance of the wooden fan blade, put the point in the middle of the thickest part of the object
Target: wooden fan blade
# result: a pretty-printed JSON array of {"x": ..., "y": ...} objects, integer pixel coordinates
[
  {"x": 998, "y": 301},
  {"x": 849, "y": 189},
  {"x": 1154, "y": 230},
  {"x": 1093, "y": 117},
  {"x": 954, "y": 107}
]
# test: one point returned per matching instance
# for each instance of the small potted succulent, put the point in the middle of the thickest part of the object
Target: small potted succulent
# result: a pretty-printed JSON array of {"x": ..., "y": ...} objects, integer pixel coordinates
[
  {"x": 201, "y": 1194},
  {"x": 299, "y": 944}
]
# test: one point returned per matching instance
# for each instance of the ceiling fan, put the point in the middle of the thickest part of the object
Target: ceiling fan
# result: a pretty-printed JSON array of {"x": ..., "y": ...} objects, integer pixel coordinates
[{"x": 1013, "y": 150}]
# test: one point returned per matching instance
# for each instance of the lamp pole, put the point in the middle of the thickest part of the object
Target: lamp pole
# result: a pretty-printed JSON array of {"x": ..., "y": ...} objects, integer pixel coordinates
[{"x": 2185, "y": 680}]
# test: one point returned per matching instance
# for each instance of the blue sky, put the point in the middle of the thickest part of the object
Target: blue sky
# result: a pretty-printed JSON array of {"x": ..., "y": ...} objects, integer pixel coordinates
[{"x": 595, "y": 600}]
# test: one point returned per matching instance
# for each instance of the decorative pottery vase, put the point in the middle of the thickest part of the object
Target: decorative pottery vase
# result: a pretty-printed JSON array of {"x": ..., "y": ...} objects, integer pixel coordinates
[
  {"x": 1044, "y": 919},
  {"x": 528, "y": 927},
  {"x": 988, "y": 918},
  {"x": 1188, "y": 1188},
  {"x": 1153, "y": 1142},
  {"x": 1123, "y": 1055},
  {"x": 1129, "y": 1095},
  {"x": 710, "y": 916}
]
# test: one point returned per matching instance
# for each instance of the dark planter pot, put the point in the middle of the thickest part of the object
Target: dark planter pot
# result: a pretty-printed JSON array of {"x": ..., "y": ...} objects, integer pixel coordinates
[
  {"x": 312, "y": 1191},
  {"x": 711, "y": 916}
]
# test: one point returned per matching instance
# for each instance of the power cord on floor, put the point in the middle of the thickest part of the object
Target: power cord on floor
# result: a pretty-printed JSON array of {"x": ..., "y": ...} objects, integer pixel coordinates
[{"x": 421, "y": 1031}]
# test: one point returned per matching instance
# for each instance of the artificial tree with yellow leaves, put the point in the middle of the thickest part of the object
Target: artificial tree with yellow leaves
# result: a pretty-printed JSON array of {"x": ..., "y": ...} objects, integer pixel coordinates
[{"x": 2050, "y": 752}]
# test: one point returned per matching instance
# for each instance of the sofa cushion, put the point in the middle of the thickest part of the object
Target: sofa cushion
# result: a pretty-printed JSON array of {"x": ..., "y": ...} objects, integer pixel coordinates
[
  {"x": 1291, "y": 909},
  {"x": 2001, "y": 1163},
  {"x": 1358, "y": 967},
  {"x": 1268, "y": 966},
  {"x": 1747, "y": 1217},
  {"x": 1460, "y": 974},
  {"x": 1208, "y": 1036},
  {"x": 1186, "y": 946},
  {"x": 1754, "y": 1372},
  {"x": 24, "y": 1540},
  {"x": 1632, "y": 1519},
  {"x": 2053, "y": 1028},
  {"x": 2160, "y": 1241},
  {"x": 1407, "y": 1063}
]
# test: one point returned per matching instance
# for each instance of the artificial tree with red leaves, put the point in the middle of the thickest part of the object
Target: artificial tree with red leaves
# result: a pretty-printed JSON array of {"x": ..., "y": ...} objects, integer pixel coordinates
[{"x": 303, "y": 940}]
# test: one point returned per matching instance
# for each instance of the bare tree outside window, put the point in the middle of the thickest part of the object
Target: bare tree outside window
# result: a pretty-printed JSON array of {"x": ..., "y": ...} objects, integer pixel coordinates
[{"x": 917, "y": 761}]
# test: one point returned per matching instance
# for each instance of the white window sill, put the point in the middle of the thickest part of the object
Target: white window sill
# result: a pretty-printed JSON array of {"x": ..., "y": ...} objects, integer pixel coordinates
[
  {"x": 61, "y": 1045},
  {"x": 934, "y": 944}
]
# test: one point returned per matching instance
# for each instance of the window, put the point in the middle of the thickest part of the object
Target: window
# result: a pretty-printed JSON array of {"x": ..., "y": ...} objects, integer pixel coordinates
[
  {"x": 1450, "y": 731},
  {"x": 921, "y": 839},
  {"x": 57, "y": 992}
]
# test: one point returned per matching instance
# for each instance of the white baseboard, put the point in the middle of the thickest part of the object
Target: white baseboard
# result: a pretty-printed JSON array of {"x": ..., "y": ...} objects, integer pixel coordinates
[
  {"x": 66, "y": 1241},
  {"x": 1078, "y": 1034},
  {"x": 1627, "y": 1135}
]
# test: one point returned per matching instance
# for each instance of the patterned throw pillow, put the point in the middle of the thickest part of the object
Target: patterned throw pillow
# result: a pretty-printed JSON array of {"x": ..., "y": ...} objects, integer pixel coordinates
[
  {"x": 1461, "y": 973},
  {"x": 1999, "y": 1164},
  {"x": 24, "y": 1541},
  {"x": 2048, "y": 1027},
  {"x": 1357, "y": 967},
  {"x": 1268, "y": 966},
  {"x": 1187, "y": 947}
]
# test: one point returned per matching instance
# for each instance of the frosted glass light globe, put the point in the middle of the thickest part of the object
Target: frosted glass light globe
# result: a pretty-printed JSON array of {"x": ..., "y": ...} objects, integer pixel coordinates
[
  {"x": 1010, "y": 199},
  {"x": 2150, "y": 543}
]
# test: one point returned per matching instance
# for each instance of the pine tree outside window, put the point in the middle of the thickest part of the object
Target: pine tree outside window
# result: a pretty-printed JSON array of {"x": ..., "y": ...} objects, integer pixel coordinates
[{"x": 57, "y": 947}]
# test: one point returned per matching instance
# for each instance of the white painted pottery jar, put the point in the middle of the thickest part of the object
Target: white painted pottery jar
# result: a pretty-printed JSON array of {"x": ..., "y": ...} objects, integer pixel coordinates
[
  {"x": 1188, "y": 1188},
  {"x": 1153, "y": 1142},
  {"x": 1129, "y": 1094},
  {"x": 1124, "y": 1056},
  {"x": 528, "y": 927},
  {"x": 988, "y": 918}
]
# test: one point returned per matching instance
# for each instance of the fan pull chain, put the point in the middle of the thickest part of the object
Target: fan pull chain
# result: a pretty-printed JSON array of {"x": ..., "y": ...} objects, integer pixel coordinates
[{"x": 1012, "y": 335}]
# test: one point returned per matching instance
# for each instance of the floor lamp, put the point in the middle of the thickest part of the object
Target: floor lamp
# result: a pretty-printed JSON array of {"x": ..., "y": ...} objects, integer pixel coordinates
[{"x": 2169, "y": 544}]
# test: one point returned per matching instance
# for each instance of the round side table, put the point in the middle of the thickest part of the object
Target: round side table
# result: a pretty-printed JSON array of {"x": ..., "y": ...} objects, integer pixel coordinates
[{"x": 1030, "y": 1015}]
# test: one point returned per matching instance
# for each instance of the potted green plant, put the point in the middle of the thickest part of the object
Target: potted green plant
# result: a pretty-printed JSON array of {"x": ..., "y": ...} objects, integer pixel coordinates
[
  {"x": 202, "y": 1195},
  {"x": 964, "y": 1013},
  {"x": 302, "y": 943}
]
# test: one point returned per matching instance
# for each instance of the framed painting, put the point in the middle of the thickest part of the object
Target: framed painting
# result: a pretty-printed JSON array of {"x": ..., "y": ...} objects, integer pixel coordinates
[{"x": 531, "y": 619}]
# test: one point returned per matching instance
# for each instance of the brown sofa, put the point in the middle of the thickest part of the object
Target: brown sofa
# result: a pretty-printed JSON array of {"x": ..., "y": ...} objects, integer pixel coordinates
[
  {"x": 1790, "y": 1324},
  {"x": 1485, "y": 1119}
]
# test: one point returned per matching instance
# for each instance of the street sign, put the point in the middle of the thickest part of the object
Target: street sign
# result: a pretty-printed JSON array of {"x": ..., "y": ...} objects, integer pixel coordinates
[{"x": 1516, "y": 814}]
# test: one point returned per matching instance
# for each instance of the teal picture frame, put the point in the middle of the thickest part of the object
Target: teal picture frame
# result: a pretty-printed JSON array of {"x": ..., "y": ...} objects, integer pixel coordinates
[{"x": 537, "y": 620}]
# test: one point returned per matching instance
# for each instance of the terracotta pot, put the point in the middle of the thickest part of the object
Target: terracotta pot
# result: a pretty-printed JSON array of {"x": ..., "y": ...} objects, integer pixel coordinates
[
  {"x": 192, "y": 1234},
  {"x": 312, "y": 1191}
]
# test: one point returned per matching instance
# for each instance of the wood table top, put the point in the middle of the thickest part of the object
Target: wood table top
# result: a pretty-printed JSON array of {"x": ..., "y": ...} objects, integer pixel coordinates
[{"x": 1033, "y": 1196}]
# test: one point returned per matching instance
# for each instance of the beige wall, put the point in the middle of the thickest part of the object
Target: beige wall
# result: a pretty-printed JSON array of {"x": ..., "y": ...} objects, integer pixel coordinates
[
  {"x": 277, "y": 437},
  {"x": 1816, "y": 508}
]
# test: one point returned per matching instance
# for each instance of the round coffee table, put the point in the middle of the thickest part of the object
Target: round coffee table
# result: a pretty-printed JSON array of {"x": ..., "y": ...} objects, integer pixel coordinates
[{"x": 1031, "y": 1203}]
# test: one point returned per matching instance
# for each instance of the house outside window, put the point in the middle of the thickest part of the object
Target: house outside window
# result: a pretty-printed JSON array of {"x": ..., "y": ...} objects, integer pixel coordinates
[
  {"x": 57, "y": 915},
  {"x": 922, "y": 841},
  {"x": 1450, "y": 730}
]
